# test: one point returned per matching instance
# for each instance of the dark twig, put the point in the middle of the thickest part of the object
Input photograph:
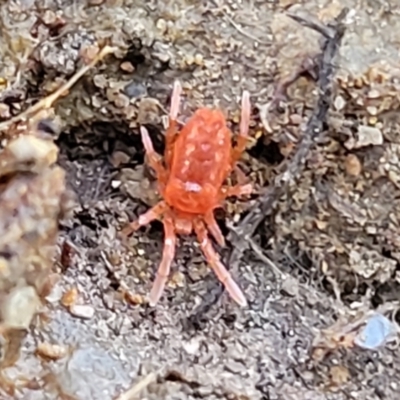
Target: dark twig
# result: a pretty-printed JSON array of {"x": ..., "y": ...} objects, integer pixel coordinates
[
  {"x": 240, "y": 237},
  {"x": 333, "y": 34}
]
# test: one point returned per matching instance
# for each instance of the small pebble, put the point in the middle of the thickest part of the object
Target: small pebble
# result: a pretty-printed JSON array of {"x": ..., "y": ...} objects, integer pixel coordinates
[
  {"x": 295, "y": 119},
  {"x": 127, "y": 66},
  {"x": 134, "y": 298},
  {"x": 375, "y": 333},
  {"x": 369, "y": 135},
  {"x": 372, "y": 110},
  {"x": 82, "y": 311},
  {"x": 69, "y": 297},
  {"x": 119, "y": 157},
  {"x": 115, "y": 184},
  {"x": 51, "y": 351},
  {"x": 374, "y": 94},
  {"x": 339, "y": 375},
  {"x": 339, "y": 103},
  {"x": 353, "y": 165},
  {"x": 49, "y": 17},
  {"x": 135, "y": 89},
  {"x": 4, "y": 111},
  {"x": 290, "y": 287}
]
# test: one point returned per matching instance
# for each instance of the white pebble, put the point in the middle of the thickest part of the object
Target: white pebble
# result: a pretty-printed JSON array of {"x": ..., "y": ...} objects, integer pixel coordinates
[{"x": 82, "y": 311}]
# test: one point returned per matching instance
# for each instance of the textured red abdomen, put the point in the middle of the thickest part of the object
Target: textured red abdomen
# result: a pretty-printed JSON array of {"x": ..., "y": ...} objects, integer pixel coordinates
[
  {"x": 200, "y": 163},
  {"x": 203, "y": 148}
]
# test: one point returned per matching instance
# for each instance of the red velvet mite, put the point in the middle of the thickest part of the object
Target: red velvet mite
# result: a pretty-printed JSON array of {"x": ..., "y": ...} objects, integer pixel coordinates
[{"x": 197, "y": 161}]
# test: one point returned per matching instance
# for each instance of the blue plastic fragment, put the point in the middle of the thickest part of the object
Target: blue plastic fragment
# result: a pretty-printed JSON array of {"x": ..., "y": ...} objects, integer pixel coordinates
[{"x": 377, "y": 330}]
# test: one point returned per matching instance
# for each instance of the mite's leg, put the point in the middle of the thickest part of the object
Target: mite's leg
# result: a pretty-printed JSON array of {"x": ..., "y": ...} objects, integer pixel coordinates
[
  {"x": 241, "y": 177},
  {"x": 167, "y": 258},
  {"x": 236, "y": 191},
  {"x": 213, "y": 258},
  {"x": 154, "y": 158},
  {"x": 172, "y": 130},
  {"x": 244, "y": 129},
  {"x": 213, "y": 228},
  {"x": 146, "y": 218}
]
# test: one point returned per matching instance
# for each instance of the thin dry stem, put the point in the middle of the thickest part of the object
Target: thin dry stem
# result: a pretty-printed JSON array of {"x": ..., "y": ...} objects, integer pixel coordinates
[
  {"x": 138, "y": 387},
  {"x": 48, "y": 101}
]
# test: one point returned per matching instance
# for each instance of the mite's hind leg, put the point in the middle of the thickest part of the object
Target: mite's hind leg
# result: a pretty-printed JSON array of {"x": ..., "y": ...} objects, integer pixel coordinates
[
  {"x": 172, "y": 130},
  {"x": 144, "y": 219},
  {"x": 167, "y": 258},
  {"x": 244, "y": 129},
  {"x": 213, "y": 258},
  {"x": 214, "y": 229}
]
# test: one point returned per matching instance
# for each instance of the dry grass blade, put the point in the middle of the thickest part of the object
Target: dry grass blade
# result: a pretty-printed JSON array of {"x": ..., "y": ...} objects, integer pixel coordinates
[
  {"x": 48, "y": 101},
  {"x": 138, "y": 387}
]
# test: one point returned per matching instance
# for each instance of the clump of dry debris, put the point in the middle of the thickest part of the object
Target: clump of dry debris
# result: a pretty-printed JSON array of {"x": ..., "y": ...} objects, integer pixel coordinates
[{"x": 33, "y": 199}]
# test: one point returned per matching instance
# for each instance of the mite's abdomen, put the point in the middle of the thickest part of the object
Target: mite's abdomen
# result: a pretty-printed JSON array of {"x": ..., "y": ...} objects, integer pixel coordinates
[{"x": 202, "y": 149}]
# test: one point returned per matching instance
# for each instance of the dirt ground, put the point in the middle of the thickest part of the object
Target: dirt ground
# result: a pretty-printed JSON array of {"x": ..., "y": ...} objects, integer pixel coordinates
[{"x": 325, "y": 252}]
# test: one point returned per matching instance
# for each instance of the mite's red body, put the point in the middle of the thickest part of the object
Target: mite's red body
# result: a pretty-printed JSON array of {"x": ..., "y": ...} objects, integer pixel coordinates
[
  {"x": 200, "y": 163},
  {"x": 197, "y": 163}
]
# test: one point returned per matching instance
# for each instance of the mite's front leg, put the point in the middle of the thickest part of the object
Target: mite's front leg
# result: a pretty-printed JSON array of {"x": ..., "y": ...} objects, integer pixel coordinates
[
  {"x": 236, "y": 191},
  {"x": 154, "y": 158},
  {"x": 244, "y": 129},
  {"x": 173, "y": 124}
]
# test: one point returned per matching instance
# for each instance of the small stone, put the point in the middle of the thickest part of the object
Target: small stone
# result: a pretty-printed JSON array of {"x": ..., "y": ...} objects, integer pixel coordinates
[
  {"x": 373, "y": 121},
  {"x": 19, "y": 307},
  {"x": 134, "y": 90},
  {"x": 100, "y": 81},
  {"x": 189, "y": 59},
  {"x": 49, "y": 17},
  {"x": 161, "y": 25},
  {"x": 286, "y": 3},
  {"x": 89, "y": 52},
  {"x": 115, "y": 184},
  {"x": 177, "y": 280},
  {"x": 118, "y": 158},
  {"x": 4, "y": 111},
  {"x": 69, "y": 297},
  {"x": 393, "y": 177},
  {"x": 95, "y": 2},
  {"x": 353, "y": 165},
  {"x": 321, "y": 225},
  {"x": 369, "y": 135},
  {"x": 191, "y": 347},
  {"x": 339, "y": 375},
  {"x": 295, "y": 119},
  {"x": 82, "y": 311},
  {"x": 134, "y": 298},
  {"x": 51, "y": 351},
  {"x": 366, "y": 136},
  {"x": 374, "y": 94},
  {"x": 339, "y": 103},
  {"x": 290, "y": 287},
  {"x": 121, "y": 100},
  {"x": 127, "y": 66},
  {"x": 198, "y": 59},
  {"x": 372, "y": 110}
]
